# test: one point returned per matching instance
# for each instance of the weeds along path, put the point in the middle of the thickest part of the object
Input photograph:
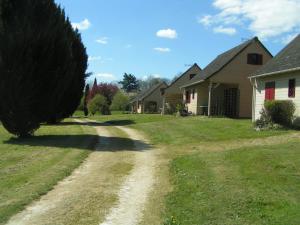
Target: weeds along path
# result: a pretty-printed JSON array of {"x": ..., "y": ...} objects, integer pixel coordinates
[{"x": 111, "y": 185}]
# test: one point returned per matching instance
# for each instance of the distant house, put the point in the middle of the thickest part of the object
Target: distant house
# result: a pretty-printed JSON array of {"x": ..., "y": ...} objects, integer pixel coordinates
[
  {"x": 223, "y": 87},
  {"x": 173, "y": 94},
  {"x": 150, "y": 101},
  {"x": 279, "y": 79}
]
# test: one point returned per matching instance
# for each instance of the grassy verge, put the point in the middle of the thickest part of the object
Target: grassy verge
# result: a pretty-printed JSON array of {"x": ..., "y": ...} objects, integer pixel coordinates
[
  {"x": 132, "y": 119},
  {"x": 221, "y": 171},
  {"x": 170, "y": 130},
  {"x": 30, "y": 168},
  {"x": 195, "y": 130},
  {"x": 246, "y": 186}
]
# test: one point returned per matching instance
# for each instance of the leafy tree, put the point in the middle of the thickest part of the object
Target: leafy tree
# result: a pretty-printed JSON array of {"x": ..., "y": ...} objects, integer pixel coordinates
[
  {"x": 42, "y": 65},
  {"x": 148, "y": 83},
  {"x": 81, "y": 105},
  {"x": 67, "y": 103},
  {"x": 86, "y": 93},
  {"x": 98, "y": 104},
  {"x": 120, "y": 102},
  {"x": 93, "y": 92},
  {"x": 108, "y": 91},
  {"x": 129, "y": 83}
]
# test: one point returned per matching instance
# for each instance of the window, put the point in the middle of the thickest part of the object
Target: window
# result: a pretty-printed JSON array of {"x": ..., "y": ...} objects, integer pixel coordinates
[
  {"x": 192, "y": 76},
  {"x": 187, "y": 97},
  {"x": 193, "y": 94},
  {"x": 292, "y": 88},
  {"x": 255, "y": 59},
  {"x": 270, "y": 91}
]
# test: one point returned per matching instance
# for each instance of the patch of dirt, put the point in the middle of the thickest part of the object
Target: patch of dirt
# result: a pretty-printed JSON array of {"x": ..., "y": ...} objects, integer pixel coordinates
[
  {"x": 86, "y": 196},
  {"x": 134, "y": 192}
]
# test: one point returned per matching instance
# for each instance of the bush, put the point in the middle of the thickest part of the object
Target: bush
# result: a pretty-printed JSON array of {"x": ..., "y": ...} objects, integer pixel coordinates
[
  {"x": 170, "y": 109},
  {"x": 281, "y": 112},
  {"x": 120, "y": 102},
  {"x": 265, "y": 121},
  {"x": 98, "y": 104}
]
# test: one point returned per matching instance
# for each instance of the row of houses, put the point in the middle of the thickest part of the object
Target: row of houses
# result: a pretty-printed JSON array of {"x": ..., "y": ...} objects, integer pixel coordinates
[{"x": 235, "y": 84}]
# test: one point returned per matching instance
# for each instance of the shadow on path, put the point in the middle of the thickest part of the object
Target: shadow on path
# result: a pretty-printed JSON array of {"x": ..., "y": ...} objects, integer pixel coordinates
[
  {"x": 95, "y": 124},
  {"x": 111, "y": 144}
]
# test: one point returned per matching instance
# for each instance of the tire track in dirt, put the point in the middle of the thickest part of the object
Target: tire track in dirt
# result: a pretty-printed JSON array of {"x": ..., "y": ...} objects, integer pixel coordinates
[
  {"x": 135, "y": 191},
  {"x": 88, "y": 193}
]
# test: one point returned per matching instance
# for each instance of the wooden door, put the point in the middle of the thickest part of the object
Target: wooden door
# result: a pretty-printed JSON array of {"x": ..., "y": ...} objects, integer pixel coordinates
[{"x": 231, "y": 102}]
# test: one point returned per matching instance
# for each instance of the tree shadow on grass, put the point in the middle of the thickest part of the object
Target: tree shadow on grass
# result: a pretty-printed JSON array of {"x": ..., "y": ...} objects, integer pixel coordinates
[
  {"x": 95, "y": 124},
  {"x": 85, "y": 142}
]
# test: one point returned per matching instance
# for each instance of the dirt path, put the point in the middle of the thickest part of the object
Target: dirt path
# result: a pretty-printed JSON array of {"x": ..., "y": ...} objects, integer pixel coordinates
[
  {"x": 135, "y": 190},
  {"x": 111, "y": 185}
]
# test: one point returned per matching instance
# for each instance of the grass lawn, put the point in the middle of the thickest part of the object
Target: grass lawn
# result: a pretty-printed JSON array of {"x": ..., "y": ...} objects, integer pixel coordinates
[
  {"x": 209, "y": 170},
  {"x": 258, "y": 185},
  {"x": 220, "y": 171},
  {"x": 170, "y": 130},
  {"x": 29, "y": 168}
]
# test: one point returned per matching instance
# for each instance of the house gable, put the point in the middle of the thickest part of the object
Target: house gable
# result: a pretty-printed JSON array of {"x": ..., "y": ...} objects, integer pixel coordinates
[
  {"x": 175, "y": 86},
  {"x": 238, "y": 71}
]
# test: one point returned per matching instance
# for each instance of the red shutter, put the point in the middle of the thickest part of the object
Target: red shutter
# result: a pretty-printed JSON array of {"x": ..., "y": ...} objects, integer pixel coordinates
[
  {"x": 292, "y": 88},
  {"x": 270, "y": 91}
]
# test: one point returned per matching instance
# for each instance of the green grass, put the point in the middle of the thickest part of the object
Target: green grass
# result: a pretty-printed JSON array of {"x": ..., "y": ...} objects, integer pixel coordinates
[
  {"x": 253, "y": 185},
  {"x": 132, "y": 119},
  {"x": 170, "y": 130},
  {"x": 30, "y": 167},
  {"x": 246, "y": 186}
]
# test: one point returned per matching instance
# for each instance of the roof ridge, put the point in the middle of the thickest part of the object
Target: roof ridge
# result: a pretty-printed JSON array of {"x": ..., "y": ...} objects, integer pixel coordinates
[
  {"x": 195, "y": 64},
  {"x": 288, "y": 57}
]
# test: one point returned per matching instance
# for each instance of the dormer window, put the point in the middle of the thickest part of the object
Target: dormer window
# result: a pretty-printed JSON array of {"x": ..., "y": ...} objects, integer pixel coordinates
[
  {"x": 255, "y": 59},
  {"x": 192, "y": 76}
]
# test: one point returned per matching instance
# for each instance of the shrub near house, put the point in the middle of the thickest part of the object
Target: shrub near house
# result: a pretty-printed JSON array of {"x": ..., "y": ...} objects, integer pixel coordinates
[{"x": 279, "y": 112}]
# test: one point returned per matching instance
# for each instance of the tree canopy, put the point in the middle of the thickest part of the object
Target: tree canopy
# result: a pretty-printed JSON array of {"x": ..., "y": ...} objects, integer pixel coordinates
[
  {"x": 42, "y": 65},
  {"x": 129, "y": 83}
]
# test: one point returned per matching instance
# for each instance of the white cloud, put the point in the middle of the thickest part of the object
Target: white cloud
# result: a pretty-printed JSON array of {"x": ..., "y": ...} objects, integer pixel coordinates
[
  {"x": 83, "y": 25},
  {"x": 164, "y": 50},
  {"x": 205, "y": 20},
  {"x": 106, "y": 76},
  {"x": 102, "y": 40},
  {"x": 99, "y": 59},
  {"x": 263, "y": 18},
  {"x": 95, "y": 58},
  {"x": 167, "y": 33},
  {"x": 225, "y": 30}
]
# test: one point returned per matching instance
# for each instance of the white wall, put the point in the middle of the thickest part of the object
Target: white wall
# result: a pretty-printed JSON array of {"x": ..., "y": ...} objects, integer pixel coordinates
[{"x": 281, "y": 91}]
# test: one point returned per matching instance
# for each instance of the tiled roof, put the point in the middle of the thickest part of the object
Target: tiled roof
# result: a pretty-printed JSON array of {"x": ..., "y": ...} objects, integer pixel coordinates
[
  {"x": 286, "y": 59},
  {"x": 221, "y": 61},
  {"x": 185, "y": 73},
  {"x": 146, "y": 93}
]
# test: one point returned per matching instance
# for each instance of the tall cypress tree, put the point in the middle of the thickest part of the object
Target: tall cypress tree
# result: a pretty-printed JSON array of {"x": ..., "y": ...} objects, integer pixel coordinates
[{"x": 42, "y": 65}]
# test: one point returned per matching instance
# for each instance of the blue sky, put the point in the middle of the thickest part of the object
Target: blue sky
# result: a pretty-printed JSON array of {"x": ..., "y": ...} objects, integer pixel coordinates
[{"x": 162, "y": 38}]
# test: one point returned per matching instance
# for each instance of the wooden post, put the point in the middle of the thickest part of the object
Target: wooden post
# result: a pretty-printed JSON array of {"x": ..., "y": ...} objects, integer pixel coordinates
[{"x": 209, "y": 99}]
